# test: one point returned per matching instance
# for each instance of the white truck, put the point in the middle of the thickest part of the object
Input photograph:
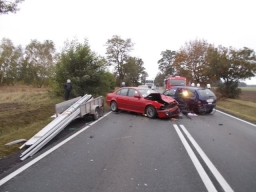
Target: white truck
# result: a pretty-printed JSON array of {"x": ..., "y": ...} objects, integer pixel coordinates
[{"x": 150, "y": 83}]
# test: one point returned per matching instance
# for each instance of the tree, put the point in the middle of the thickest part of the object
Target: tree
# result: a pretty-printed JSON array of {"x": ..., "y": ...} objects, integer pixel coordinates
[
  {"x": 134, "y": 70},
  {"x": 84, "y": 68},
  {"x": 117, "y": 54},
  {"x": 39, "y": 59},
  {"x": 143, "y": 77},
  {"x": 230, "y": 65},
  {"x": 159, "y": 80},
  {"x": 9, "y": 7},
  {"x": 10, "y": 60},
  {"x": 190, "y": 61},
  {"x": 165, "y": 63}
]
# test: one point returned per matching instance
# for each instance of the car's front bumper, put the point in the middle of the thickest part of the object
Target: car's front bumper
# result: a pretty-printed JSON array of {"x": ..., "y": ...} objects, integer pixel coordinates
[
  {"x": 168, "y": 113},
  {"x": 206, "y": 108}
]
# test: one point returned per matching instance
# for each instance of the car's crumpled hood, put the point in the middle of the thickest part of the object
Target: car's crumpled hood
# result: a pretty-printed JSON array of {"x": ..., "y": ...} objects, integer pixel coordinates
[
  {"x": 157, "y": 96},
  {"x": 167, "y": 99}
]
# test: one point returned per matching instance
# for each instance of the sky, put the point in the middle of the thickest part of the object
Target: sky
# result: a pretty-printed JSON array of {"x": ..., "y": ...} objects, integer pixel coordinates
[{"x": 152, "y": 25}]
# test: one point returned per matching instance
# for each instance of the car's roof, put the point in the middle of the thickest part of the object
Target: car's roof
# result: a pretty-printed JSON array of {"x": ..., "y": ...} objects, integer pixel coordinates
[
  {"x": 188, "y": 87},
  {"x": 135, "y": 87}
]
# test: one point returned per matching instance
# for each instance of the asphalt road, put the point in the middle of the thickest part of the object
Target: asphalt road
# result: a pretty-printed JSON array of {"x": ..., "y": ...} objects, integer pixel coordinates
[{"x": 129, "y": 152}]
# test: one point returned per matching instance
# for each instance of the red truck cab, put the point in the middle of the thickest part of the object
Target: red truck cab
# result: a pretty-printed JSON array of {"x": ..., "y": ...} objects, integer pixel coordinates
[{"x": 172, "y": 81}]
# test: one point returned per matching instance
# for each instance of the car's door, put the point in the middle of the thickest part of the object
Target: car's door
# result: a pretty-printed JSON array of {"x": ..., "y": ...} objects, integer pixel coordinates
[
  {"x": 170, "y": 92},
  {"x": 122, "y": 98},
  {"x": 185, "y": 97},
  {"x": 135, "y": 103}
]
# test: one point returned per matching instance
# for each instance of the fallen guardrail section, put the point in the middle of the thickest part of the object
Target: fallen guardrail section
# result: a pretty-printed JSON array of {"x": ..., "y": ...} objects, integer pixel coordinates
[{"x": 65, "y": 113}]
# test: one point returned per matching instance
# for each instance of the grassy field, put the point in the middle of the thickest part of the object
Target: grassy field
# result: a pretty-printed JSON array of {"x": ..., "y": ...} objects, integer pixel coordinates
[
  {"x": 23, "y": 112},
  {"x": 26, "y": 110},
  {"x": 248, "y": 88}
]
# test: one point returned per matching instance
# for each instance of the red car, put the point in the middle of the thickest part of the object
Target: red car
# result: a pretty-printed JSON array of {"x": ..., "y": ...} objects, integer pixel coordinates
[{"x": 143, "y": 100}]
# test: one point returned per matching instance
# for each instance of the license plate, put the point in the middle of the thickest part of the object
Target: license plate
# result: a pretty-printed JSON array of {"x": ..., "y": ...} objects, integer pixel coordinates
[{"x": 209, "y": 100}]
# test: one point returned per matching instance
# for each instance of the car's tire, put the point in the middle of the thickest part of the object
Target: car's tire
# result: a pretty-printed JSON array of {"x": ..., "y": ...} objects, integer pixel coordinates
[
  {"x": 151, "y": 111},
  {"x": 113, "y": 106},
  {"x": 212, "y": 111},
  {"x": 96, "y": 115}
]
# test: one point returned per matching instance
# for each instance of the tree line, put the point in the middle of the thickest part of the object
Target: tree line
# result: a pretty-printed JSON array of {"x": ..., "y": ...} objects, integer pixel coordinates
[
  {"x": 199, "y": 61},
  {"x": 203, "y": 63},
  {"x": 40, "y": 65}
]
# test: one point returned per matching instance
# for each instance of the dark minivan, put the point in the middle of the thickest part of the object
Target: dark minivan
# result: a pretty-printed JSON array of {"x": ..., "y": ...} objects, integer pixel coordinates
[{"x": 195, "y": 99}]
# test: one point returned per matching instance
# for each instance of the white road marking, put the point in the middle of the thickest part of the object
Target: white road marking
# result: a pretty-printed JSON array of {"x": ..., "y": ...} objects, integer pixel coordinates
[
  {"x": 205, "y": 178},
  {"x": 24, "y": 167},
  {"x": 208, "y": 162},
  {"x": 237, "y": 118}
]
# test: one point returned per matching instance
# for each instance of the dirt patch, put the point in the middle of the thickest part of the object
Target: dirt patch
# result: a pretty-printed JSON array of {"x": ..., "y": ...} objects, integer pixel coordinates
[
  {"x": 22, "y": 88},
  {"x": 9, "y": 162},
  {"x": 10, "y": 106},
  {"x": 248, "y": 96}
]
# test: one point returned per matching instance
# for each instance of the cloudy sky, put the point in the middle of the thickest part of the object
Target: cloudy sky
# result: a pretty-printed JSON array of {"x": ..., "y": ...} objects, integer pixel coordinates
[{"x": 152, "y": 25}]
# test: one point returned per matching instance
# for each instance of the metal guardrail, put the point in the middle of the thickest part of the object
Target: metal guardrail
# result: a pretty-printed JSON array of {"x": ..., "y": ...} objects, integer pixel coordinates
[{"x": 53, "y": 128}]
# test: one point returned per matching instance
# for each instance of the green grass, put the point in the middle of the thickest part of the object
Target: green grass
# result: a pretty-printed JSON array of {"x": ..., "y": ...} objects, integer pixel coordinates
[
  {"x": 248, "y": 88},
  {"x": 23, "y": 112},
  {"x": 243, "y": 109}
]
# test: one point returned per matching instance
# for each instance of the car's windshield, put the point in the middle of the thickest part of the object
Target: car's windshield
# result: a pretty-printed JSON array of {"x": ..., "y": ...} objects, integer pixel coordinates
[
  {"x": 146, "y": 92},
  {"x": 206, "y": 93},
  {"x": 176, "y": 82}
]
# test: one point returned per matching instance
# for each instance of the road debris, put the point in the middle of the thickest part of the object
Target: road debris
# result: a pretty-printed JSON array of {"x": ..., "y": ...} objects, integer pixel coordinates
[
  {"x": 192, "y": 114},
  {"x": 16, "y": 142},
  {"x": 174, "y": 119}
]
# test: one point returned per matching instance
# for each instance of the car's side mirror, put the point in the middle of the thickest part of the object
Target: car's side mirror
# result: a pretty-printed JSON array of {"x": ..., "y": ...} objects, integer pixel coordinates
[{"x": 137, "y": 95}]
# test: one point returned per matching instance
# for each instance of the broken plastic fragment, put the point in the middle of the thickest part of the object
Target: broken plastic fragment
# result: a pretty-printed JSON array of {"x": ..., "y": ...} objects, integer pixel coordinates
[
  {"x": 192, "y": 114},
  {"x": 16, "y": 142}
]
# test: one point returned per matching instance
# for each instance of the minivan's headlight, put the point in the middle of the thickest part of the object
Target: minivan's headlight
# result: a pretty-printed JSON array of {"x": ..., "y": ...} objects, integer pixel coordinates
[{"x": 185, "y": 93}]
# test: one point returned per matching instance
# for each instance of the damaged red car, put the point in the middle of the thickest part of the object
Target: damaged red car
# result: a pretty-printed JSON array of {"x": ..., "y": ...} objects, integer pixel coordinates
[{"x": 144, "y": 101}]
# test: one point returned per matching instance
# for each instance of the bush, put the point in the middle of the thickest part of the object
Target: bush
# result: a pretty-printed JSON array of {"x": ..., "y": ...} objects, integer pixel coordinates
[{"x": 229, "y": 90}]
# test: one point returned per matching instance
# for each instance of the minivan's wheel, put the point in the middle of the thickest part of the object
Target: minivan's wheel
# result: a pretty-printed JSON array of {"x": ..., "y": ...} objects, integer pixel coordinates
[
  {"x": 151, "y": 111},
  {"x": 113, "y": 106},
  {"x": 212, "y": 111},
  {"x": 96, "y": 115}
]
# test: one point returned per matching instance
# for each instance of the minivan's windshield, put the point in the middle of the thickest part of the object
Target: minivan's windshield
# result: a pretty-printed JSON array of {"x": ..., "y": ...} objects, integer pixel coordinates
[{"x": 206, "y": 93}]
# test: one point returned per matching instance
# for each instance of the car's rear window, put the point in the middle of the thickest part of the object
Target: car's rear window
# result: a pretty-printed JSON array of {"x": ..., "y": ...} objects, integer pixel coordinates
[
  {"x": 122, "y": 92},
  {"x": 206, "y": 93}
]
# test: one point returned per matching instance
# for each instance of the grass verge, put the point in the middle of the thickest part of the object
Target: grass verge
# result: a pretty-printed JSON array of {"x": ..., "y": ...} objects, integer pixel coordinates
[
  {"x": 23, "y": 112},
  {"x": 242, "y": 109}
]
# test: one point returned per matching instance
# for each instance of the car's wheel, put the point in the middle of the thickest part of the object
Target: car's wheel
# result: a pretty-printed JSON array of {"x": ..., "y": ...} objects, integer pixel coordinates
[
  {"x": 96, "y": 115},
  {"x": 212, "y": 111},
  {"x": 113, "y": 106},
  {"x": 151, "y": 111}
]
